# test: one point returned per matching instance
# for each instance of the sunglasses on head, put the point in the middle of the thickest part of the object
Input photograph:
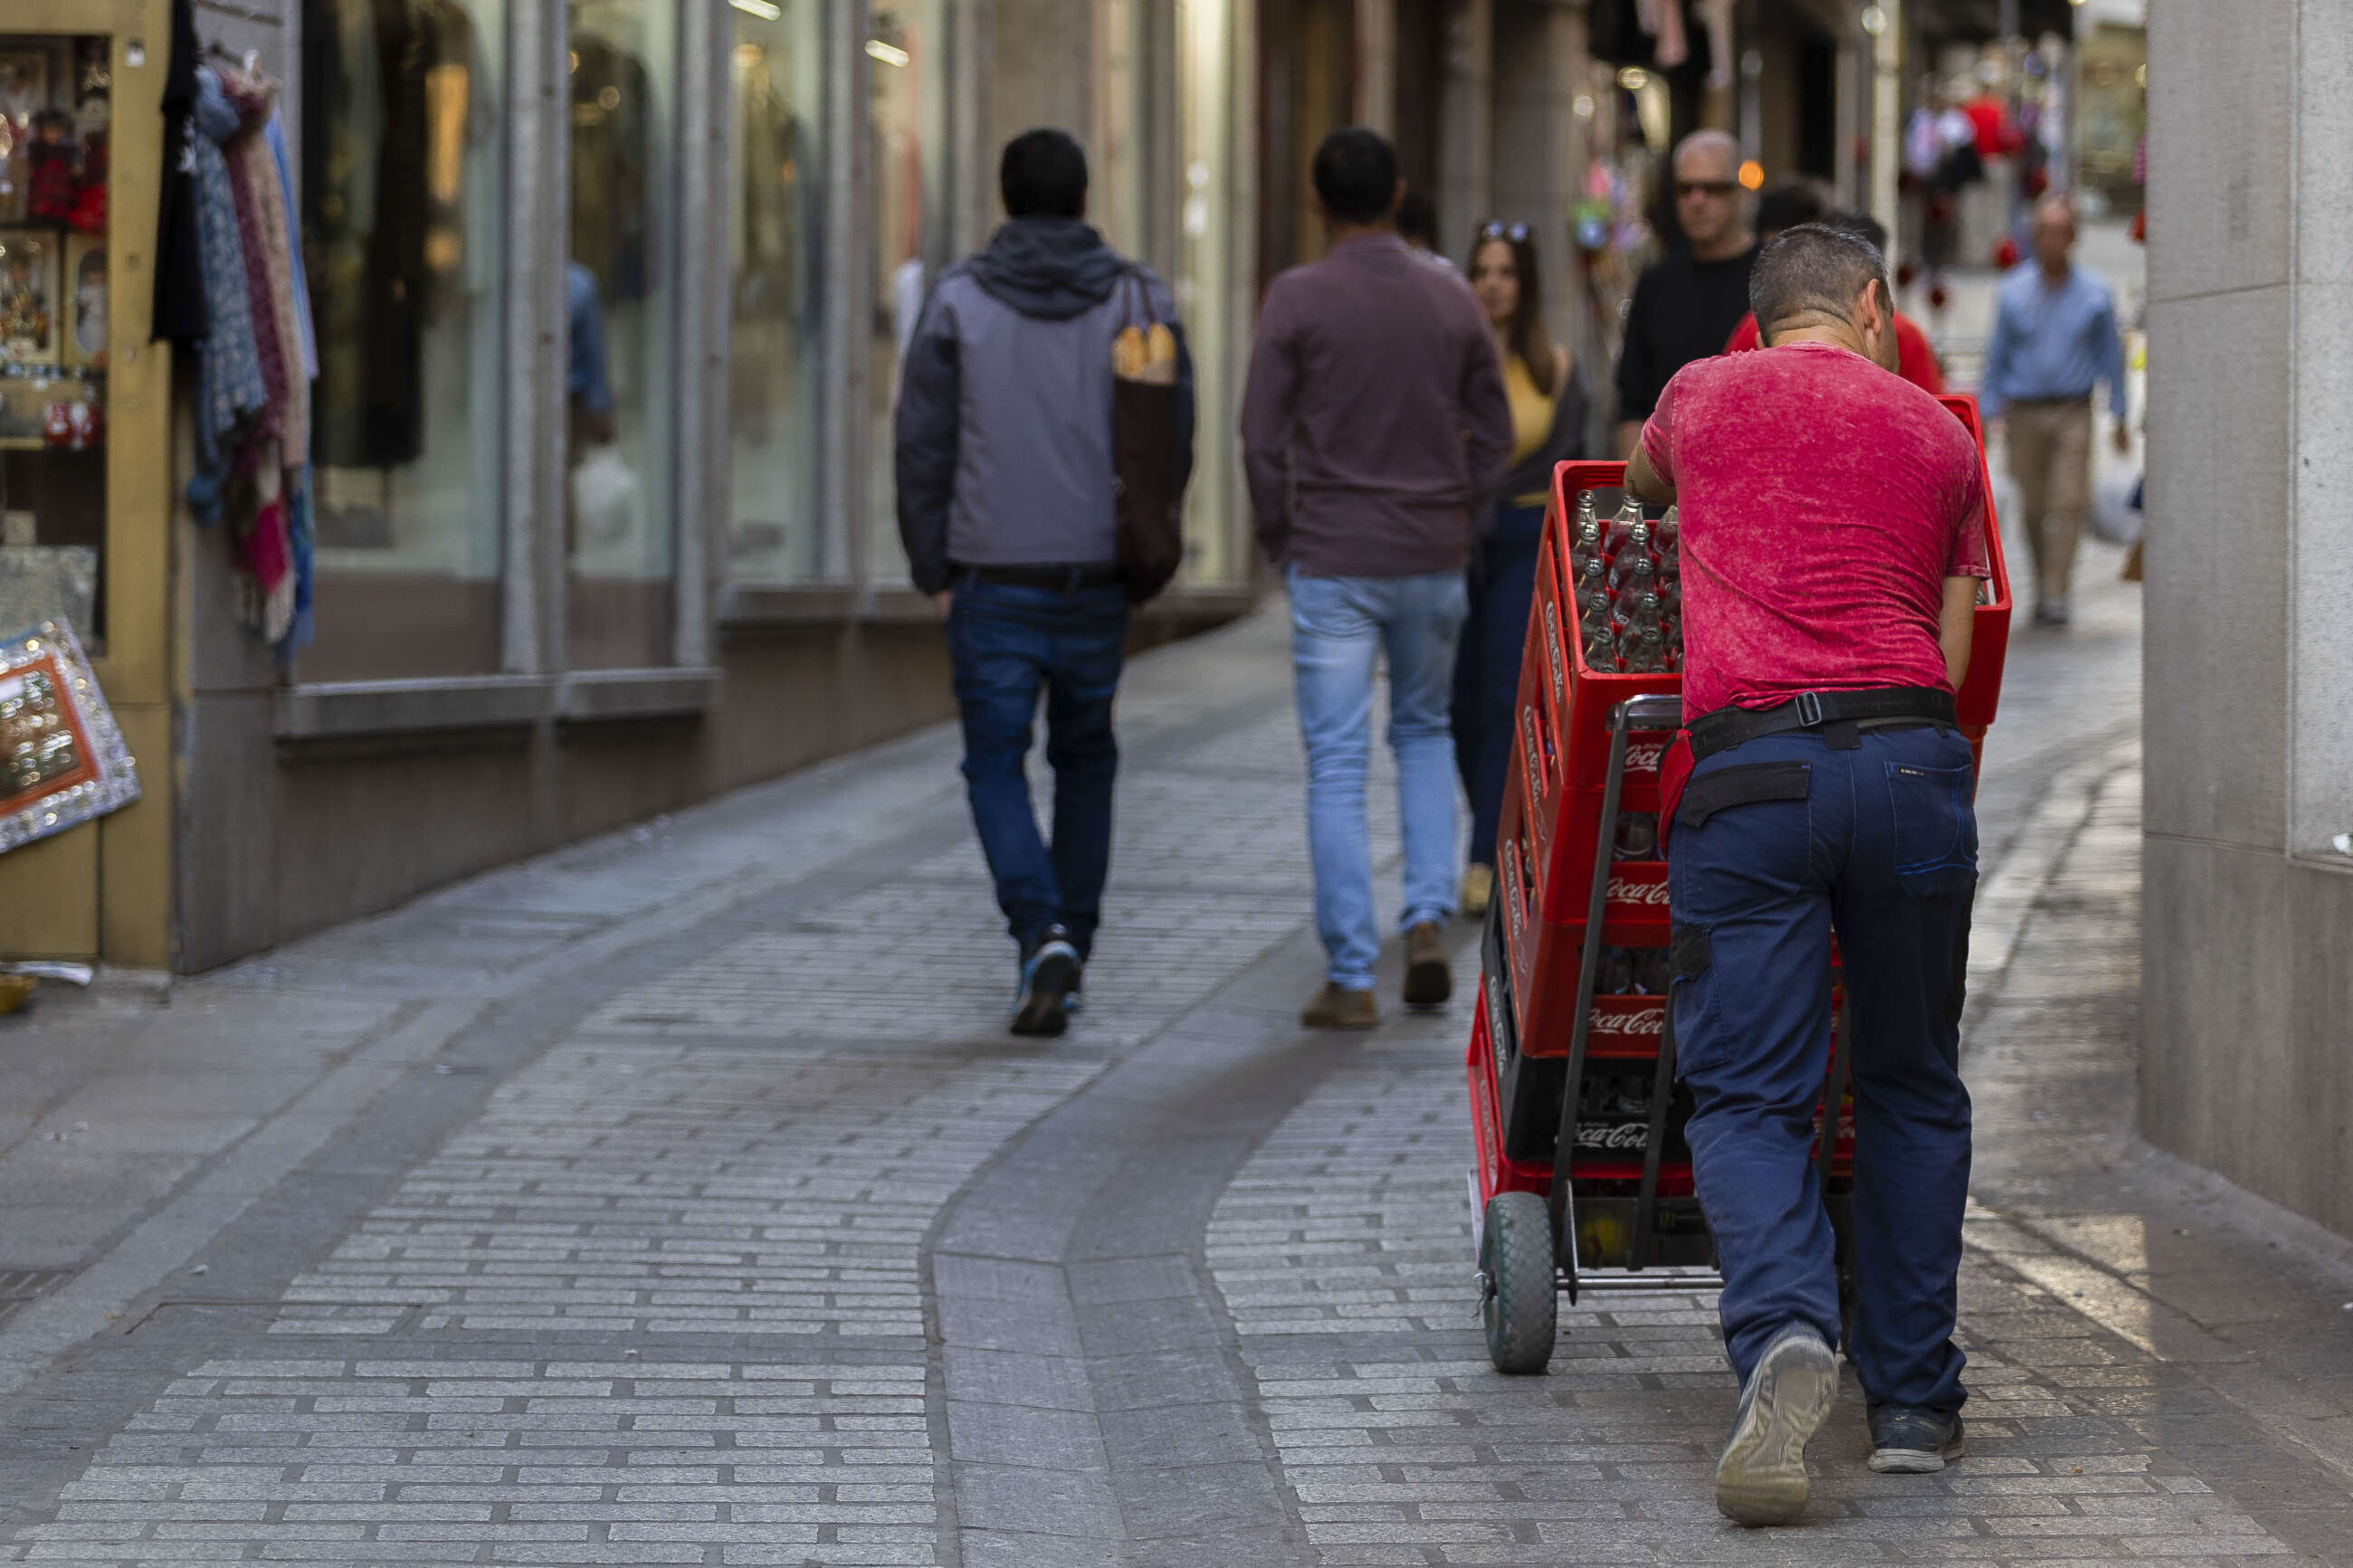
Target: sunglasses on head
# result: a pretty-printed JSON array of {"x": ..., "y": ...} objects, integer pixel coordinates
[
  {"x": 1517, "y": 233},
  {"x": 1705, "y": 188}
]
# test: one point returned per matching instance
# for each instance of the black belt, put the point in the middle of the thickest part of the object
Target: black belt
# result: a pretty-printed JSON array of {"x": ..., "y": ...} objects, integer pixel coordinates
[
  {"x": 1061, "y": 579},
  {"x": 1728, "y": 727}
]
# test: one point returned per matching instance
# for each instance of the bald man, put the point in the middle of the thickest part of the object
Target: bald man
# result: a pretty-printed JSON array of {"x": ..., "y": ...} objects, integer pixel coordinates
[{"x": 1688, "y": 302}]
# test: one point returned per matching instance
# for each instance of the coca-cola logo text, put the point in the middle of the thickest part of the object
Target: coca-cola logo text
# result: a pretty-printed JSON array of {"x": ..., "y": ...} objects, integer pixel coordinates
[
  {"x": 1641, "y": 1021},
  {"x": 1617, "y": 1137},
  {"x": 1644, "y": 758},
  {"x": 1552, "y": 646},
  {"x": 1625, "y": 892},
  {"x": 1528, "y": 751}
]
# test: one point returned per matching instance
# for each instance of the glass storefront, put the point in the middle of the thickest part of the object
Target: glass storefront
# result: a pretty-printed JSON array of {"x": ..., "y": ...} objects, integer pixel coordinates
[
  {"x": 403, "y": 240},
  {"x": 623, "y": 305},
  {"x": 1210, "y": 294},
  {"x": 912, "y": 239},
  {"x": 775, "y": 201}
]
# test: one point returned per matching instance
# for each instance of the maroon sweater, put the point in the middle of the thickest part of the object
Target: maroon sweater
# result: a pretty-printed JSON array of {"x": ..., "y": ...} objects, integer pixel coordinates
[{"x": 1375, "y": 425}]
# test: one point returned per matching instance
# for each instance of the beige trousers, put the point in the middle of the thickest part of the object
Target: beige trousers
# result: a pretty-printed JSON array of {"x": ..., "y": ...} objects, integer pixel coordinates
[{"x": 2051, "y": 461}]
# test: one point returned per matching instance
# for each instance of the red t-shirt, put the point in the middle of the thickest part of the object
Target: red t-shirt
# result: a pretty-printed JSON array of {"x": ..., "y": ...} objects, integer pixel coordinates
[
  {"x": 1916, "y": 360},
  {"x": 1823, "y": 503}
]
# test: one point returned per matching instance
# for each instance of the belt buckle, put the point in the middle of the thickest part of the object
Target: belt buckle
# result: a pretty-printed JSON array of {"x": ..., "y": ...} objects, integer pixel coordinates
[{"x": 1810, "y": 709}]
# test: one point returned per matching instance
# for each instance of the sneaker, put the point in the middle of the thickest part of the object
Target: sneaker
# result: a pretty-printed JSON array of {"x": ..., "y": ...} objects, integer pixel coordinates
[
  {"x": 1478, "y": 890},
  {"x": 1761, "y": 1478},
  {"x": 1049, "y": 975},
  {"x": 1428, "y": 980},
  {"x": 1906, "y": 1440},
  {"x": 1339, "y": 1008},
  {"x": 2052, "y": 612}
]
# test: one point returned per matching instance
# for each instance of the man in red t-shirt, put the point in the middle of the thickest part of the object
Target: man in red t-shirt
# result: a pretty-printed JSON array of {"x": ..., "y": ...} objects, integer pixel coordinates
[{"x": 1833, "y": 538}]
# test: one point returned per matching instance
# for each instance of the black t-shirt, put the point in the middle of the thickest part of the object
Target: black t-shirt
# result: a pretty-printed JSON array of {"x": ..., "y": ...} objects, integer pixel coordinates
[{"x": 1683, "y": 309}]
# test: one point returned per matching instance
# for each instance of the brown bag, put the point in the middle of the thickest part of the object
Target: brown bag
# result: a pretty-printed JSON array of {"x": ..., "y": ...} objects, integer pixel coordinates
[{"x": 1148, "y": 498}]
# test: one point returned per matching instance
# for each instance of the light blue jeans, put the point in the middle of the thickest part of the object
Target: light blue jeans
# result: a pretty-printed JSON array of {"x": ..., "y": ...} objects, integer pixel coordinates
[{"x": 1339, "y": 626}]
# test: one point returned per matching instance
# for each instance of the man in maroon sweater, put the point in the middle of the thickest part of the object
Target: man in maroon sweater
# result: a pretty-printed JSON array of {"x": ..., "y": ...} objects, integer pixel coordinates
[{"x": 1374, "y": 430}]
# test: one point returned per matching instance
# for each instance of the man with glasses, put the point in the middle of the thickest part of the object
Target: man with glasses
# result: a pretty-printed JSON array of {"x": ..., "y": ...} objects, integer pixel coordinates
[{"x": 1688, "y": 302}]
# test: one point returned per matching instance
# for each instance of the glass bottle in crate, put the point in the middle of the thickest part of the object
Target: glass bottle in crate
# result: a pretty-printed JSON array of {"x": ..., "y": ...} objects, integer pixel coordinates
[
  {"x": 1629, "y": 516},
  {"x": 1593, "y": 606},
  {"x": 1643, "y": 650},
  {"x": 1585, "y": 540},
  {"x": 1635, "y": 611},
  {"x": 1634, "y": 569},
  {"x": 1602, "y": 648}
]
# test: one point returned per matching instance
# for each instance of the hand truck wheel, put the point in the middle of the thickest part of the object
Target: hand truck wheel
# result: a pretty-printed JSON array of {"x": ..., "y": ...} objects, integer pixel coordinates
[{"x": 1517, "y": 1302}]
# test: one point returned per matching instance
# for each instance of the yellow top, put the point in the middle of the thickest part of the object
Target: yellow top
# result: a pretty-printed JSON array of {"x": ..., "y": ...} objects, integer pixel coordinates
[
  {"x": 1532, "y": 413},
  {"x": 1531, "y": 409}
]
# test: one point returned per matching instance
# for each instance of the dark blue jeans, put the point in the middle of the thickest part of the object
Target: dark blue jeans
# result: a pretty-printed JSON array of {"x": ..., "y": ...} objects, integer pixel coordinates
[
  {"x": 1006, "y": 643},
  {"x": 1881, "y": 847},
  {"x": 1487, "y": 666}
]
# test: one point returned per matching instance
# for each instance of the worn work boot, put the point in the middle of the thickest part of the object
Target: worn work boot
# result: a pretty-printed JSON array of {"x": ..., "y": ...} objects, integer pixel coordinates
[
  {"x": 1428, "y": 979},
  {"x": 1478, "y": 889},
  {"x": 1338, "y": 1007},
  {"x": 1906, "y": 1440},
  {"x": 1761, "y": 1478},
  {"x": 1049, "y": 975}
]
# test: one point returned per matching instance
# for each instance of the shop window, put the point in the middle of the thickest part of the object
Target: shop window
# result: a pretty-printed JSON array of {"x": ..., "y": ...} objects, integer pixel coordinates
[
  {"x": 404, "y": 240},
  {"x": 54, "y": 164},
  {"x": 776, "y": 532},
  {"x": 913, "y": 233},
  {"x": 622, "y": 299}
]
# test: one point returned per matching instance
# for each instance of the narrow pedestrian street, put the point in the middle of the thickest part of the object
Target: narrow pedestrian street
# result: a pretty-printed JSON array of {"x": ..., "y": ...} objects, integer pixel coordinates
[{"x": 679, "y": 1198}]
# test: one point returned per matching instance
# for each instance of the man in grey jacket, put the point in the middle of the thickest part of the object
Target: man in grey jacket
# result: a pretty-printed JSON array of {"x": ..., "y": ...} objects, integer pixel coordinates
[{"x": 1004, "y": 459}]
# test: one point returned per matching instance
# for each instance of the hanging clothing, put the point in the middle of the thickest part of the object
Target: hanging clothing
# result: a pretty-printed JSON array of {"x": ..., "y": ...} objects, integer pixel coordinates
[
  {"x": 612, "y": 164},
  {"x": 179, "y": 306},
  {"x": 230, "y": 389}
]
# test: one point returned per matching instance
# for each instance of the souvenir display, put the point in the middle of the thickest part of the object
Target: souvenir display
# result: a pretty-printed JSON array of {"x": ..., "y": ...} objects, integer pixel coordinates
[
  {"x": 62, "y": 759},
  {"x": 30, "y": 332}
]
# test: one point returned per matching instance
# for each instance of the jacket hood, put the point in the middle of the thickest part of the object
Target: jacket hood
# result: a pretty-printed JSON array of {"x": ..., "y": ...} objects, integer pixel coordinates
[{"x": 1049, "y": 268}]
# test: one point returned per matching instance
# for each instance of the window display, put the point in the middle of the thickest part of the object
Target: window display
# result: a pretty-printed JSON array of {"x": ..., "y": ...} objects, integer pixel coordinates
[
  {"x": 622, "y": 299},
  {"x": 912, "y": 239},
  {"x": 54, "y": 121},
  {"x": 404, "y": 239},
  {"x": 775, "y": 206}
]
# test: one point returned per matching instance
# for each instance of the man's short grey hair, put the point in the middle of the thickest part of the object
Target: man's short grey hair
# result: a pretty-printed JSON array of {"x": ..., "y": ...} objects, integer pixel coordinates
[
  {"x": 1714, "y": 141},
  {"x": 1815, "y": 269}
]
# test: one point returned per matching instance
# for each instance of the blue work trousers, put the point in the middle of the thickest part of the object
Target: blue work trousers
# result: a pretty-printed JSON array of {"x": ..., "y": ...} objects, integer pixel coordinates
[
  {"x": 1008, "y": 642},
  {"x": 1878, "y": 842}
]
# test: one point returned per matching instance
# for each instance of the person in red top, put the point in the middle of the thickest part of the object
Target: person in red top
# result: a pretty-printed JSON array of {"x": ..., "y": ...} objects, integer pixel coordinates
[
  {"x": 1834, "y": 539},
  {"x": 1915, "y": 359}
]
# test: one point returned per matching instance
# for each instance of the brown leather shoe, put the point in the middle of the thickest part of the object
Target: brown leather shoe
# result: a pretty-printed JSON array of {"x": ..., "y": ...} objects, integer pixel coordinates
[
  {"x": 1428, "y": 980},
  {"x": 1337, "y": 1007}
]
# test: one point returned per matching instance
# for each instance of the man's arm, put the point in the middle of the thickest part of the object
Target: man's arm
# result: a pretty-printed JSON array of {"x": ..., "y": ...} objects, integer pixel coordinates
[
  {"x": 2111, "y": 350},
  {"x": 1644, "y": 481},
  {"x": 1955, "y": 624},
  {"x": 1268, "y": 411},
  {"x": 923, "y": 443}
]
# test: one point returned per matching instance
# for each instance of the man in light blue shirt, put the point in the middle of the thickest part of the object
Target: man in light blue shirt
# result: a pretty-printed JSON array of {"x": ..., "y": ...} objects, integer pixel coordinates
[{"x": 2054, "y": 340}]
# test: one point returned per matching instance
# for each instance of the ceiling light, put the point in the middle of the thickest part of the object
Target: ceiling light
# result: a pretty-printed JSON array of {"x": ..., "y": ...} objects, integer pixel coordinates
[
  {"x": 766, "y": 10},
  {"x": 889, "y": 54}
]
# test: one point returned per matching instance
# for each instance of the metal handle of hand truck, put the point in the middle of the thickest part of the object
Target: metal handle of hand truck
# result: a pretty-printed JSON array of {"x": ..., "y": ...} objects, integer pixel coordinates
[{"x": 1661, "y": 712}]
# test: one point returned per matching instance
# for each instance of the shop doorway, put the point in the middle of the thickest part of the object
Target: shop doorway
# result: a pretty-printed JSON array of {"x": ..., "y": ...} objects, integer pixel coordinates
[{"x": 1307, "y": 54}]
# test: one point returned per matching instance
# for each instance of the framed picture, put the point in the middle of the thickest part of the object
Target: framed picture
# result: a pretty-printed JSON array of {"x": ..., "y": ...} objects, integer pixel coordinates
[
  {"x": 62, "y": 758},
  {"x": 83, "y": 305},
  {"x": 31, "y": 330}
]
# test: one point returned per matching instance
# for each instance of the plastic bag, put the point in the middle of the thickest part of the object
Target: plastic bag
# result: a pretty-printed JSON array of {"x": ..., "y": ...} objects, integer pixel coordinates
[
  {"x": 607, "y": 498},
  {"x": 2114, "y": 517}
]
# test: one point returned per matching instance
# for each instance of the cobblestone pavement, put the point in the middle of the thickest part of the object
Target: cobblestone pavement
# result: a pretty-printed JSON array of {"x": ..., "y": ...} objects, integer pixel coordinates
[{"x": 679, "y": 1199}]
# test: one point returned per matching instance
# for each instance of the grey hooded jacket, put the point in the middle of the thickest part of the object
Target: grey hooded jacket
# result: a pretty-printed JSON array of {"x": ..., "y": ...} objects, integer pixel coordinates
[{"x": 1002, "y": 440}]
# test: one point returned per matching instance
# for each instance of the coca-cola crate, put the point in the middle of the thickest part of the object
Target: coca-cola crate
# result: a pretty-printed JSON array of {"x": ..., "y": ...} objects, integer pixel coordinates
[{"x": 1497, "y": 1171}]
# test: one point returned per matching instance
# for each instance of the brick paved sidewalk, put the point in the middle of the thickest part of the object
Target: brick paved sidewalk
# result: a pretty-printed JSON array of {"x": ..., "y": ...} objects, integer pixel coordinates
[{"x": 679, "y": 1199}]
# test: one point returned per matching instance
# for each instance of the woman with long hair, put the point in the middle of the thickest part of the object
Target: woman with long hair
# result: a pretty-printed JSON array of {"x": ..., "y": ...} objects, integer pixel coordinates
[{"x": 1548, "y": 416}]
